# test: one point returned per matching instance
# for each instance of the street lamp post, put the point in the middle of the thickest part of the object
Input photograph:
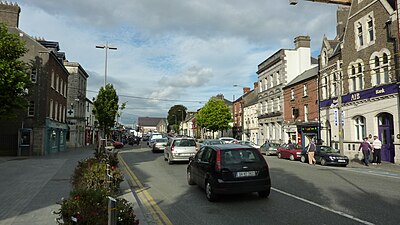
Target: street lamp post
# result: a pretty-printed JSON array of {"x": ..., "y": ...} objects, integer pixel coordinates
[
  {"x": 106, "y": 47},
  {"x": 181, "y": 119}
]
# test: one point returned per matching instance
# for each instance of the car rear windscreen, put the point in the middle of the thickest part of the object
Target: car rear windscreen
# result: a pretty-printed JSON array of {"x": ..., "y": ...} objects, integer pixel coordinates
[
  {"x": 185, "y": 143},
  {"x": 237, "y": 156}
]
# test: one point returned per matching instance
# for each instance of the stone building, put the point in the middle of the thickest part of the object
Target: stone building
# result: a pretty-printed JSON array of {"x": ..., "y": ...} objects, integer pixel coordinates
[
  {"x": 76, "y": 102},
  {"x": 366, "y": 79},
  {"x": 273, "y": 74},
  {"x": 42, "y": 128}
]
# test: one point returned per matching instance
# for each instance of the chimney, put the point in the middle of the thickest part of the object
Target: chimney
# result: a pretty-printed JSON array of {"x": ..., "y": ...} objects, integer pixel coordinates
[
  {"x": 9, "y": 14},
  {"x": 302, "y": 42},
  {"x": 220, "y": 96},
  {"x": 246, "y": 90}
]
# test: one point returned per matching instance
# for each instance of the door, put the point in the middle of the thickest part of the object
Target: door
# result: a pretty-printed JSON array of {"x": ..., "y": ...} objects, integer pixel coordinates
[{"x": 386, "y": 135}]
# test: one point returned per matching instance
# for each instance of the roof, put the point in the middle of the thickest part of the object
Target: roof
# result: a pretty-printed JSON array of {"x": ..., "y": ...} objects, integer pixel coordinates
[
  {"x": 148, "y": 121},
  {"x": 304, "y": 76}
]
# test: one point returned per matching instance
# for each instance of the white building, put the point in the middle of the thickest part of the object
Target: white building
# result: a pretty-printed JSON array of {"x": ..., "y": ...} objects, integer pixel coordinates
[
  {"x": 273, "y": 74},
  {"x": 250, "y": 116}
]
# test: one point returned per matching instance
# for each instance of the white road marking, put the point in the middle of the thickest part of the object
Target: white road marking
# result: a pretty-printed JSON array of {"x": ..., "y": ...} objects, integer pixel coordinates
[{"x": 323, "y": 207}]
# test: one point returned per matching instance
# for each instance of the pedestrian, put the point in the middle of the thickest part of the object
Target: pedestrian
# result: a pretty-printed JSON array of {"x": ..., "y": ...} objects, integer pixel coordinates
[
  {"x": 311, "y": 151},
  {"x": 377, "y": 145},
  {"x": 366, "y": 147}
]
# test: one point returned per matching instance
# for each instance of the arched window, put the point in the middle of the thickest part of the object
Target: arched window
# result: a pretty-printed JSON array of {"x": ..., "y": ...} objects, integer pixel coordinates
[
  {"x": 356, "y": 78},
  {"x": 359, "y": 126},
  {"x": 385, "y": 66}
]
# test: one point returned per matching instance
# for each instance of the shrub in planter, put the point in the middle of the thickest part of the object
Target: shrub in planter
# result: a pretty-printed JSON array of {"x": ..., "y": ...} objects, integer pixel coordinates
[
  {"x": 91, "y": 173},
  {"x": 90, "y": 206}
]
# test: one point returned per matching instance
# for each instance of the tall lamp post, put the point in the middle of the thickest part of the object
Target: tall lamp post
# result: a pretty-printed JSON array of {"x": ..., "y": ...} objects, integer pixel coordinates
[
  {"x": 106, "y": 47},
  {"x": 181, "y": 119}
]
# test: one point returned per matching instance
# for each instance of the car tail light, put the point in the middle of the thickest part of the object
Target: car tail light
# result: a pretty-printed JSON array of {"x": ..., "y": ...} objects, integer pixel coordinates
[
  {"x": 197, "y": 148},
  {"x": 218, "y": 161},
  {"x": 172, "y": 148}
]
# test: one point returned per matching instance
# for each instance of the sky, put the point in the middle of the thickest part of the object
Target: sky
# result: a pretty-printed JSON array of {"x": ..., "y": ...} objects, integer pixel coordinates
[{"x": 174, "y": 52}]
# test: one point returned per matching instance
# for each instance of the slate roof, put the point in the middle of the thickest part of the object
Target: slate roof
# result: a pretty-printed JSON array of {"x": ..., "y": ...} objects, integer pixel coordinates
[{"x": 304, "y": 76}]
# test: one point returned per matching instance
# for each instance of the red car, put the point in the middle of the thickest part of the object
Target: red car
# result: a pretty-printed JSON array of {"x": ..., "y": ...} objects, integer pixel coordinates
[
  {"x": 116, "y": 144},
  {"x": 289, "y": 151}
]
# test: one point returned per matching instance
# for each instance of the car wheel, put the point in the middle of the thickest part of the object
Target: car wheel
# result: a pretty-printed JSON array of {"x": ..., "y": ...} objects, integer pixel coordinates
[
  {"x": 264, "y": 194},
  {"x": 323, "y": 162},
  {"x": 303, "y": 159},
  {"x": 165, "y": 158},
  {"x": 291, "y": 157},
  {"x": 170, "y": 161},
  {"x": 189, "y": 177},
  {"x": 210, "y": 195},
  {"x": 279, "y": 155}
]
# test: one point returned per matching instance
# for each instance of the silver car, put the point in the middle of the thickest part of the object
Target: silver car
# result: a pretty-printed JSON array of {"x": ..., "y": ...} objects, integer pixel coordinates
[
  {"x": 180, "y": 149},
  {"x": 159, "y": 145}
]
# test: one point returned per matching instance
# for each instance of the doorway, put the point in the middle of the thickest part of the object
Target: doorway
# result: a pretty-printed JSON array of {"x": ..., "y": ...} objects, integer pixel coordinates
[{"x": 386, "y": 135}]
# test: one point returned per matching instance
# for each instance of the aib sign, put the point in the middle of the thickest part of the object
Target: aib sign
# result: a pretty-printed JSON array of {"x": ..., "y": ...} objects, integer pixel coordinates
[{"x": 337, "y": 117}]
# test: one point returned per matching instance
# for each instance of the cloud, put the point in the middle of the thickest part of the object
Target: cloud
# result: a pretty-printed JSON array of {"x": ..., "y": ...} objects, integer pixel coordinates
[{"x": 174, "y": 52}]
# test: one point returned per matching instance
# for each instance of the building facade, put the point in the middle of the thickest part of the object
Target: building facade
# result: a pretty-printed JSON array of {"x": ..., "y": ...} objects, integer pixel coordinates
[
  {"x": 301, "y": 107},
  {"x": 250, "y": 116},
  {"x": 273, "y": 74},
  {"x": 366, "y": 79}
]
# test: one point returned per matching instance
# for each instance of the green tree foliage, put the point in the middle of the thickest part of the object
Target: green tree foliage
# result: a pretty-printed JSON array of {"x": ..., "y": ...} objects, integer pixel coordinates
[
  {"x": 14, "y": 78},
  {"x": 176, "y": 114},
  {"x": 106, "y": 107},
  {"x": 215, "y": 115}
]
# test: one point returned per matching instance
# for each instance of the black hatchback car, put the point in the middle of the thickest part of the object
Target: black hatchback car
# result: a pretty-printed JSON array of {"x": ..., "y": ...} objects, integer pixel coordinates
[
  {"x": 229, "y": 169},
  {"x": 326, "y": 155}
]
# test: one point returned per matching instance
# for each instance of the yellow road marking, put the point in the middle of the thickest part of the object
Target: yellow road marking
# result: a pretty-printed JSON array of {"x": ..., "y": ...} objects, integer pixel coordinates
[{"x": 145, "y": 197}]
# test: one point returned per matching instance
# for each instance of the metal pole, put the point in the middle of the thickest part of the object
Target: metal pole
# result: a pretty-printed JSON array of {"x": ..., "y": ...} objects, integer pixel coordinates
[
  {"x": 341, "y": 147},
  {"x": 105, "y": 66}
]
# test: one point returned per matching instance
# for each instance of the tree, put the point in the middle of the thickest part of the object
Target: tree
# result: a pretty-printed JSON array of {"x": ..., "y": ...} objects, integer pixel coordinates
[
  {"x": 215, "y": 115},
  {"x": 106, "y": 107},
  {"x": 176, "y": 114},
  {"x": 14, "y": 78}
]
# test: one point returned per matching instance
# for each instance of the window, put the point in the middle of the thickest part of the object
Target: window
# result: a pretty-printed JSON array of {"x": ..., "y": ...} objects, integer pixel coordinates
[
  {"x": 325, "y": 88},
  {"x": 56, "y": 111},
  {"x": 385, "y": 65},
  {"x": 356, "y": 78},
  {"x": 271, "y": 80},
  {"x": 277, "y": 77},
  {"x": 31, "y": 108},
  {"x": 360, "y": 34},
  {"x": 51, "y": 109},
  {"x": 377, "y": 69},
  {"x": 65, "y": 89},
  {"x": 56, "y": 84},
  {"x": 60, "y": 113},
  {"x": 265, "y": 83},
  {"x": 370, "y": 25},
  {"x": 305, "y": 113},
  {"x": 292, "y": 94},
  {"x": 359, "y": 125},
  {"x": 272, "y": 105},
  {"x": 63, "y": 114},
  {"x": 33, "y": 75},
  {"x": 260, "y": 85},
  {"x": 52, "y": 79},
  {"x": 278, "y": 103},
  {"x": 334, "y": 85},
  {"x": 305, "y": 90}
]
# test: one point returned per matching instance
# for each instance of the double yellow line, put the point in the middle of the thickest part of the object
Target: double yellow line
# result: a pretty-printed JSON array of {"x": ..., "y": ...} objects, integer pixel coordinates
[{"x": 144, "y": 196}]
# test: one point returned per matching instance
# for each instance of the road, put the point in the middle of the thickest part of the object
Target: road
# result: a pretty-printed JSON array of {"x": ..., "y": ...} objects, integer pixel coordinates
[{"x": 301, "y": 194}]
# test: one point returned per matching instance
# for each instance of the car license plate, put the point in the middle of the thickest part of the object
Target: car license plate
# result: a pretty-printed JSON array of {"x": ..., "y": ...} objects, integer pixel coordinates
[
  {"x": 341, "y": 160},
  {"x": 246, "y": 174}
]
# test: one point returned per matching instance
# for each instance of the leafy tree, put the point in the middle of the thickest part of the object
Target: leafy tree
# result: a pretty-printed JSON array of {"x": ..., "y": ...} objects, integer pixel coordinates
[
  {"x": 176, "y": 114},
  {"x": 215, "y": 115},
  {"x": 106, "y": 107},
  {"x": 14, "y": 78}
]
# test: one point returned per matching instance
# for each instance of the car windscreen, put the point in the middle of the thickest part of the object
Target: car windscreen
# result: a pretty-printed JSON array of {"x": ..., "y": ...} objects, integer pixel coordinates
[
  {"x": 217, "y": 142},
  {"x": 328, "y": 149},
  {"x": 238, "y": 156},
  {"x": 185, "y": 143},
  {"x": 156, "y": 136},
  {"x": 161, "y": 140}
]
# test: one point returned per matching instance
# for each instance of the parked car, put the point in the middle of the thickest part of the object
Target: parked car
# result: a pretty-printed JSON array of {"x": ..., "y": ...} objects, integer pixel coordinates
[
  {"x": 289, "y": 151},
  {"x": 250, "y": 143},
  {"x": 269, "y": 148},
  {"x": 116, "y": 144},
  {"x": 326, "y": 155},
  {"x": 180, "y": 149},
  {"x": 159, "y": 145},
  {"x": 152, "y": 137},
  {"x": 229, "y": 169},
  {"x": 228, "y": 140}
]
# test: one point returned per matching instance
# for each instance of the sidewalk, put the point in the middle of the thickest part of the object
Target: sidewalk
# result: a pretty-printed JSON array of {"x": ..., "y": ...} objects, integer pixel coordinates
[
  {"x": 384, "y": 166},
  {"x": 31, "y": 186}
]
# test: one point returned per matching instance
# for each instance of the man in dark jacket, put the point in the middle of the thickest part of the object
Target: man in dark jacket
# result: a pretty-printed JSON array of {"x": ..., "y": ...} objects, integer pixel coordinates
[{"x": 366, "y": 147}]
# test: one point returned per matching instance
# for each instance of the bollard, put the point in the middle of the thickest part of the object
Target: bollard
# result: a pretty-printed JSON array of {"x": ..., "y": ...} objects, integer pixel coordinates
[{"x": 112, "y": 211}]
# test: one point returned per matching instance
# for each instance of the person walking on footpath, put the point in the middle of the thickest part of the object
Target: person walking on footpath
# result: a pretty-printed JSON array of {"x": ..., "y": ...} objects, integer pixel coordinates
[
  {"x": 377, "y": 145},
  {"x": 311, "y": 151},
  {"x": 366, "y": 147}
]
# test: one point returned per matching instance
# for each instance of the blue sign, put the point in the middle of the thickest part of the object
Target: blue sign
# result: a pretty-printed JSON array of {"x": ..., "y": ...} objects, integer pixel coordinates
[{"x": 366, "y": 94}]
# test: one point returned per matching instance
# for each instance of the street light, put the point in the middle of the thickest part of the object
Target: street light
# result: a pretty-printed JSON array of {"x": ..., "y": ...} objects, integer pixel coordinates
[
  {"x": 181, "y": 119},
  {"x": 106, "y": 47}
]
